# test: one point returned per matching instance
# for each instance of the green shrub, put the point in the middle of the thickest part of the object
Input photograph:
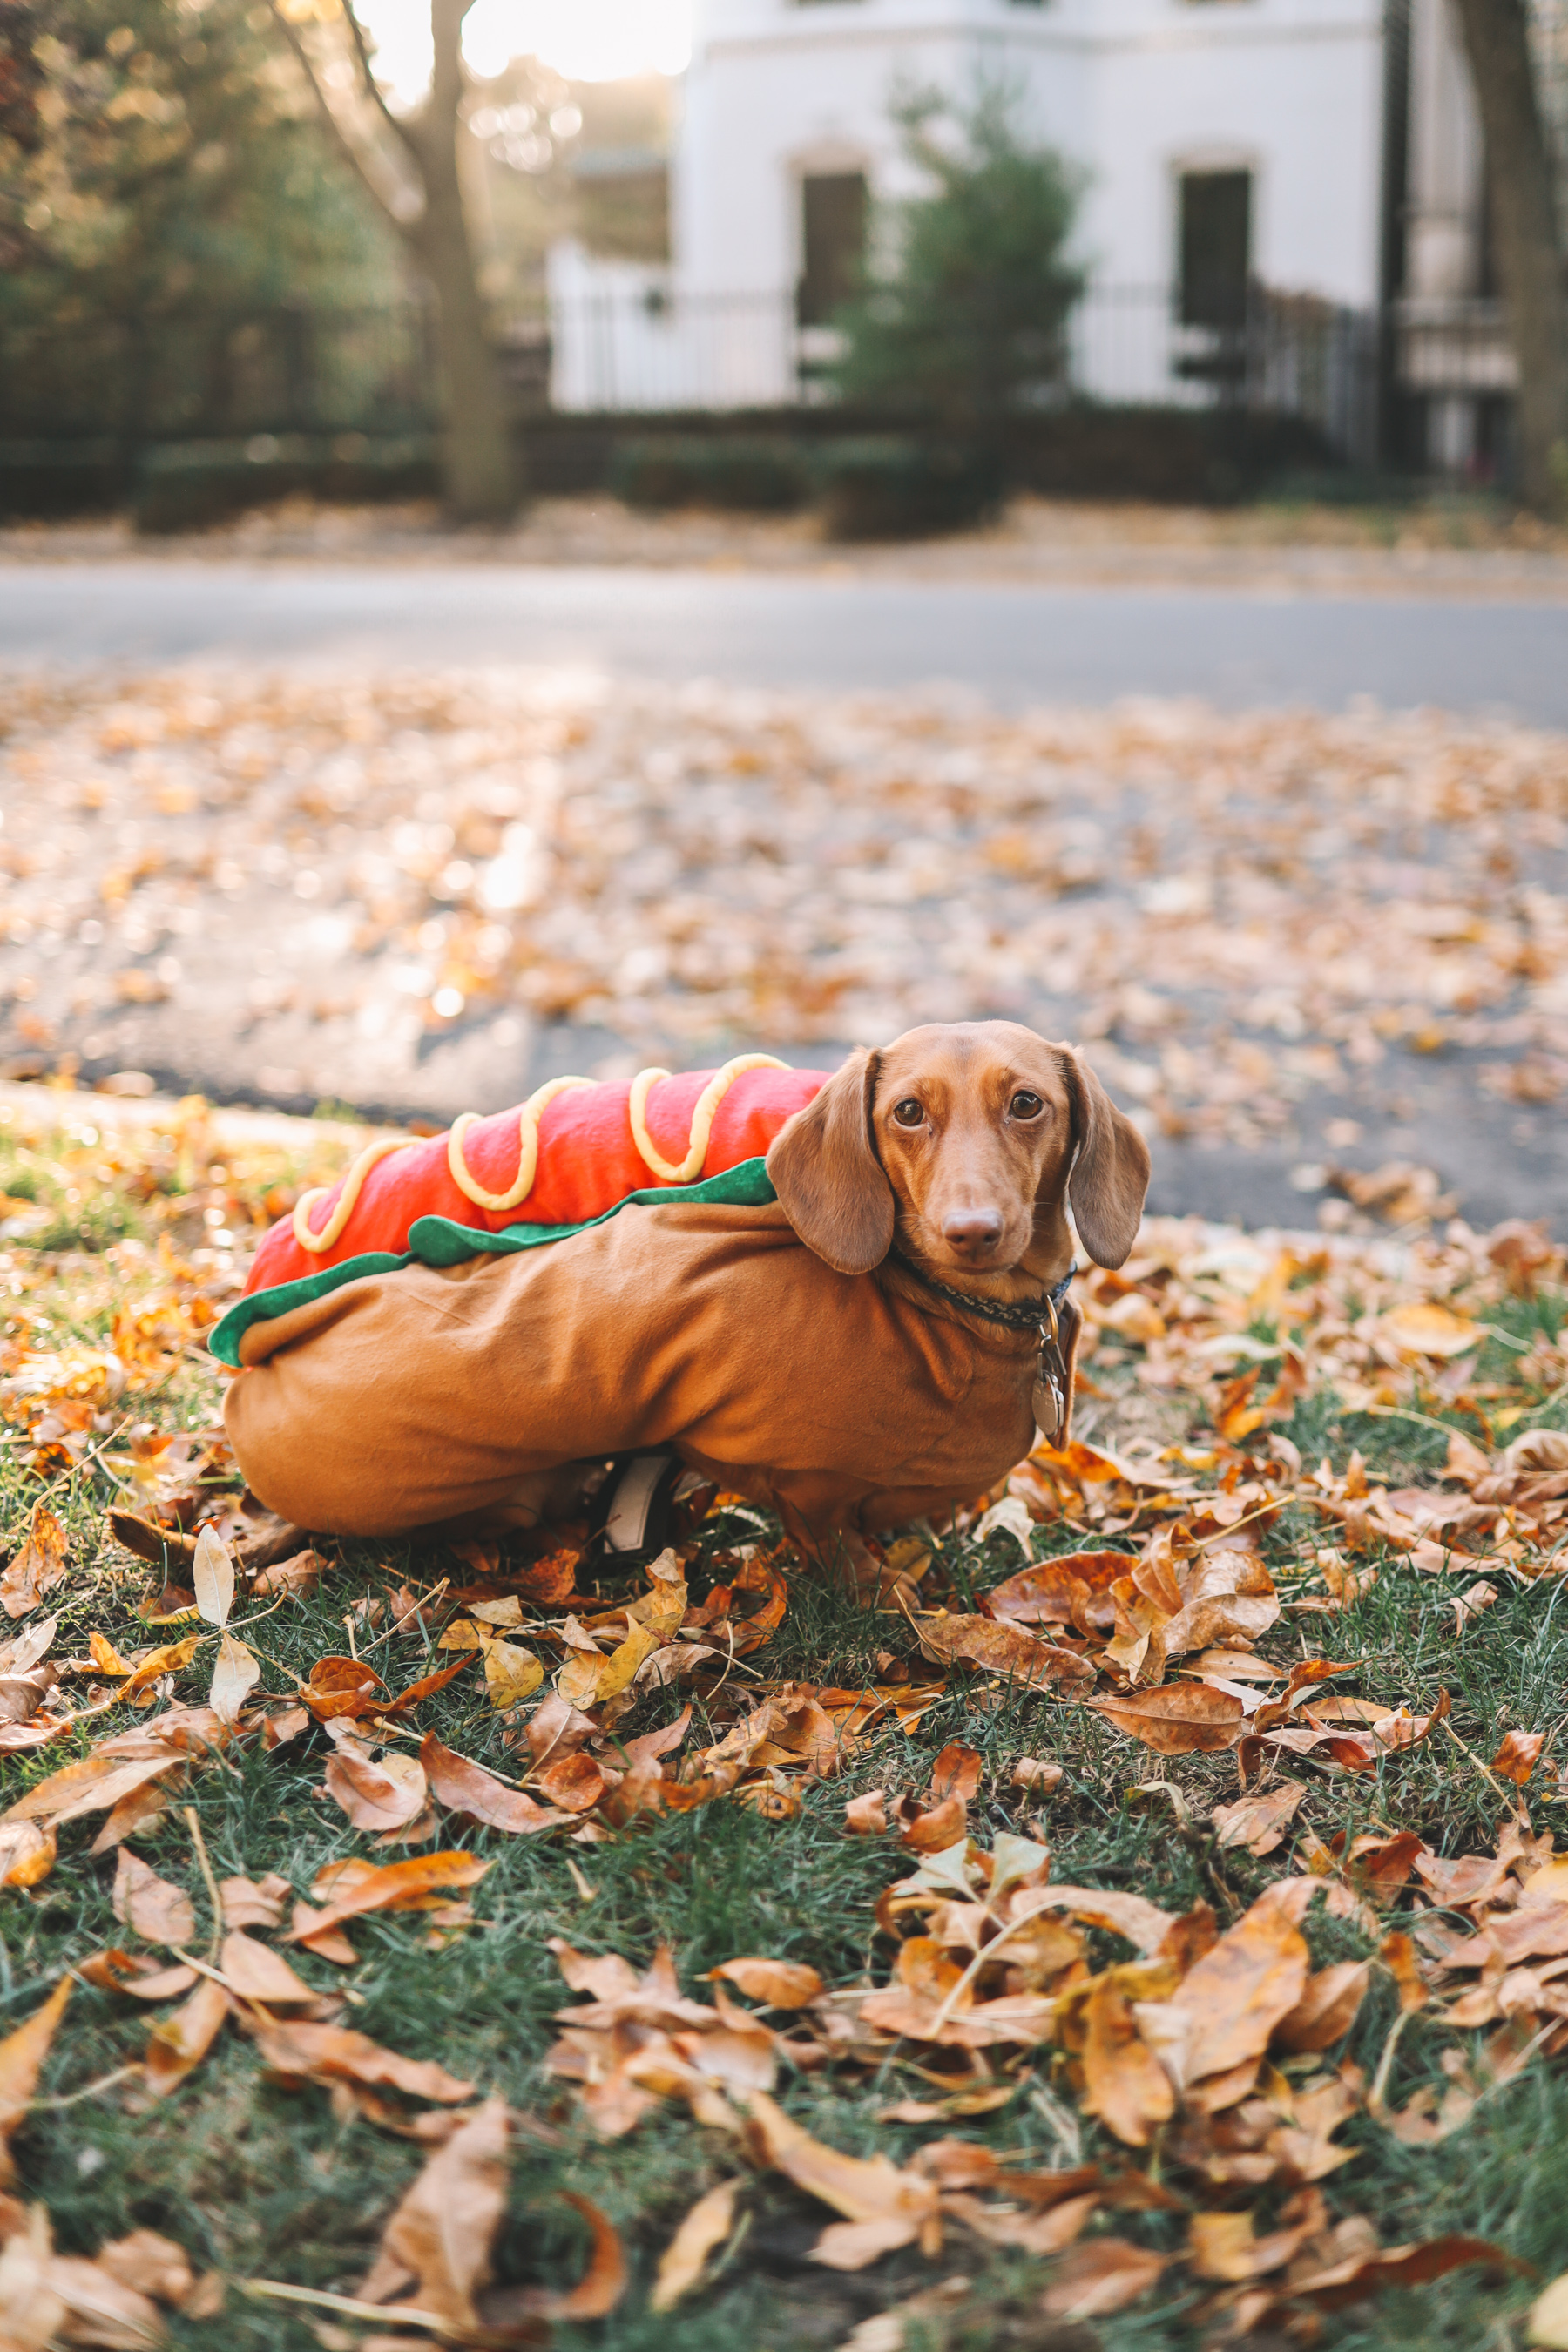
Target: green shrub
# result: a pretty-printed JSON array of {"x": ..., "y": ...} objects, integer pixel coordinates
[
  {"x": 891, "y": 486},
  {"x": 190, "y": 485},
  {"x": 746, "y": 475}
]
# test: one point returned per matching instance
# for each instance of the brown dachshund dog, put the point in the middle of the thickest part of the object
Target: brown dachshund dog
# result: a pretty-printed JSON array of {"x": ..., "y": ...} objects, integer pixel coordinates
[{"x": 864, "y": 1351}]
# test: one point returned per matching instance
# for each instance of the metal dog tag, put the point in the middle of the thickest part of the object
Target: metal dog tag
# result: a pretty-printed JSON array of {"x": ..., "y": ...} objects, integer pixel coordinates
[{"x": 1047, "y": 1402}]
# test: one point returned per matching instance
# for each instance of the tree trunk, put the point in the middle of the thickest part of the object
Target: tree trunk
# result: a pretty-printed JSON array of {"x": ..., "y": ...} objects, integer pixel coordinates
[
  {"x": 1524, "y": 227},
  {"x": 478, "y": 462}
]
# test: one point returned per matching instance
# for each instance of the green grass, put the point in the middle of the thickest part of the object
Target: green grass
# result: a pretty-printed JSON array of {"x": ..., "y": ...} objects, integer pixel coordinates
[{"x": 261, "y": 2182}]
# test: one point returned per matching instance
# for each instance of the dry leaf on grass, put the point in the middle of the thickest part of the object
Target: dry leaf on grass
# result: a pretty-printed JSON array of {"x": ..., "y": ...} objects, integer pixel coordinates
[
  {"x": 258, "y": 1973},
  {"x": 703, "y": 2231},
  {"x": 883, "y": 2207},
  {"x": 49, "y": 2299},
  {"x": 298, "y": 2050},
  {"x": 211, "y": 1578},
  {"x": 512, "y": 1674},
  {"x": 468, "y": 1789},
  {"x": 395, "y": 1887},
  {"x": 1238, "y": 1992},
  {"x": 22, "y": 2055},
  {"x": 1517, "y": 1755},
  {"x": 1101, "y": 2278},
  {"x": 246, "y": 1904},
  {"x": 26, "y": 1854},
  {"x": 439, "y": 2238},
  {"x": 1548, "y": 2323},
  {"x": 235, "y": 1674},
  {"x": 181, "y": 2040},
  {"x": 385, "y": 1794},
  {"x": 778, "y": 1984},
  {"x": 1004, "y": 1650},
  {"x": 1176, "y": 1718},
  {"x": 1258, "y": 1822},
  {"x": 148, "y": 1905},
  {"x": 37, "y": 1566}
]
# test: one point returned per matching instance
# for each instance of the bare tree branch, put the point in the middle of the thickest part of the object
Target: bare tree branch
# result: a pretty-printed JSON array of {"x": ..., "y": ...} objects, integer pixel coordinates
[
  {"x": 372, "y": 89},
  {"x": 344, "y": 144}
]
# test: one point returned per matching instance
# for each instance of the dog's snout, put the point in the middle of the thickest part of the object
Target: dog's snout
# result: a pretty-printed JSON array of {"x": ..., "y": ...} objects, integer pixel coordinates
[{"x": 973, "y": 1232}]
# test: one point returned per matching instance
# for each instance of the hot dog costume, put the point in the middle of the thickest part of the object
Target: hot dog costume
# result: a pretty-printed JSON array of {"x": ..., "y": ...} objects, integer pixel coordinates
[{"x": 606, "y": 1270}]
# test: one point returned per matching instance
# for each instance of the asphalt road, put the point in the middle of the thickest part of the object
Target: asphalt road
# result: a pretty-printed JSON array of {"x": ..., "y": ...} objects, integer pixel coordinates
[{"x": 1014, "y": 644}]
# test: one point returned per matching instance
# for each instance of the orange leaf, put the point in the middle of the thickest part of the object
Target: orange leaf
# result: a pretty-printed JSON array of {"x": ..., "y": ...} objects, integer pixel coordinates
[
  {"x": 395, "y": 1884},
  {"x": 179, "y": 2043},
  {"x": 426, "y": 1687},
  {"x": 302, "y": 2052},
  {"x": 22, "y": 2055},
  {"x": 1125, "y": 2084},
  {"x": 1004, "y": 1650},
  {"x": 781, "y": 1984},
  {"x": 1178, "y": 1718},
  {"x": 1238, "y": 1992},
  {"x": 1516, "y": 1758},
  {"x": 469, "y": 1789},
  {"x": 342, "y": 1686}
]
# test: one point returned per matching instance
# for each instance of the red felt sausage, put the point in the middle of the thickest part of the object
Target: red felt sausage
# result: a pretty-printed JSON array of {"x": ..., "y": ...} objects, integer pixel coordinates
[{"x": 587, "y": 1162}]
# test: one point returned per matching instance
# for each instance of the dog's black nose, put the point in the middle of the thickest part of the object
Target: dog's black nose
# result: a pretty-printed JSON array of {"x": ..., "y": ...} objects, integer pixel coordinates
[{"x": 973, "y": 1231}]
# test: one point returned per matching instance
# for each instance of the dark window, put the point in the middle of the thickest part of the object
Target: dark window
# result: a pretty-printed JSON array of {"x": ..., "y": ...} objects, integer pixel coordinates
[
  {"x": 1216, "y": 247},
  {"x": 833, "y": 217}
]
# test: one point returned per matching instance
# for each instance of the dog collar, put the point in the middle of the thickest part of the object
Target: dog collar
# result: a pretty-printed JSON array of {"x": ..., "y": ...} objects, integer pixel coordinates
[{"x": 1022, "y": 1315}]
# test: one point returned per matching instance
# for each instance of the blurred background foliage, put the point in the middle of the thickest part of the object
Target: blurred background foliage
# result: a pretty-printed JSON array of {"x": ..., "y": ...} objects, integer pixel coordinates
[{"x": 159, "y": 153}]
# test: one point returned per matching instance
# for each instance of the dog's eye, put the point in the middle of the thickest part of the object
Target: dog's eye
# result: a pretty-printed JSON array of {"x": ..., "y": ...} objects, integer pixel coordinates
[
  {"x": 909, "y": 1113},
  {"x": 1025, "y": 1104}
]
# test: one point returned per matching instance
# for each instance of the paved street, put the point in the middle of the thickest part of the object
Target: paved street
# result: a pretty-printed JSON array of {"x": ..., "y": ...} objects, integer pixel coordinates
[{"x": 1014, "y": 644}]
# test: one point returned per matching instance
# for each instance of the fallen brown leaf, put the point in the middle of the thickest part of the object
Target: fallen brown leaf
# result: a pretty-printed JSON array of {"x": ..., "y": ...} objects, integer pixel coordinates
[
  {"x": 37, "y": 1567},
  {"x": 22, "y": 2055},
  {"x": 148, "y": 1905},
  {"x": 301, "y": 2051},
  {"x": 179, "y": 2042},
  {"x": 1103, "y": 2276},
  {"x": 1004, "y": 1650},
  {"x": 258, "y": 1973},
  {"x": 391, "y": 1886},
  {"x": 439, "y": 2238},
  {"x": 1258, "y": 1822},
  {"x": 211, "y": 1578},
  {"x": 704, "y": 2228},
  {"x": 1517, "y": 1755},
  {"x": 26, "y": 1854},
  {"x": 885, "y": 2207},
  {"x": 376, "y": 1795},
  {"x": 1176, "y": 1718},
  {"x": 780, "y": 1984},
  {"x": 469, "y": 1789}
]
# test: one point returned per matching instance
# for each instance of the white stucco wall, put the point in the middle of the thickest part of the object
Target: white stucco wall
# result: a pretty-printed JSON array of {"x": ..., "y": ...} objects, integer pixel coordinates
[{"x": 1135, "y": 89}]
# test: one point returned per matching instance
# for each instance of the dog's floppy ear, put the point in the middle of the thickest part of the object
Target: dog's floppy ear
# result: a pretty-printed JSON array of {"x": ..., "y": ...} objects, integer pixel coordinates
[
  {"x": 827, "y": 1176},
  {"x": 1111, "y": 1173}
]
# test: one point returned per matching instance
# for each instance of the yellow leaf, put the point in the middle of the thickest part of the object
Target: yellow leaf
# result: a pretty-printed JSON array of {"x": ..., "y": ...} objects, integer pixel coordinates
[
  {"x": 167, "y": 1661},
  {"x": 106, "y": 1658},
  {"x": 510, "y": 1673}
]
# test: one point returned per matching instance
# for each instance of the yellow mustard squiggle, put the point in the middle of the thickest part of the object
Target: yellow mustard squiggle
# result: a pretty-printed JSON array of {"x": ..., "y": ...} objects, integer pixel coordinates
[
  {"x": 706, "y": 1104},
  {"x": 330, "y": 1232},
  {"x": 528, "y": 1120},
  {"x": 671, "y": 1172}
]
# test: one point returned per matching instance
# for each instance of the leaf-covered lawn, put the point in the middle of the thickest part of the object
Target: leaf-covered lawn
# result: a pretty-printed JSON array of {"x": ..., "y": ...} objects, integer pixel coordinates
[{"x": 1136, "y": 1927}]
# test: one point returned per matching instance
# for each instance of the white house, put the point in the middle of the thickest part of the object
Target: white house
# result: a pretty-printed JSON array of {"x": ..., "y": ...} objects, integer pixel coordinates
[{"x": 1319, "y": 149}]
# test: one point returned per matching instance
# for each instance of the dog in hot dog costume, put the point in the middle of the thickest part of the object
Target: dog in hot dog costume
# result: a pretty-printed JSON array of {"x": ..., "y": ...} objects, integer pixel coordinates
[{"x": 735, "y": 1264}]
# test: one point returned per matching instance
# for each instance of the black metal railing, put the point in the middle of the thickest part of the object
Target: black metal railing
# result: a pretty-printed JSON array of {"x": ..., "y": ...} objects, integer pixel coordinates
[{"x": 298, "y": 370}]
